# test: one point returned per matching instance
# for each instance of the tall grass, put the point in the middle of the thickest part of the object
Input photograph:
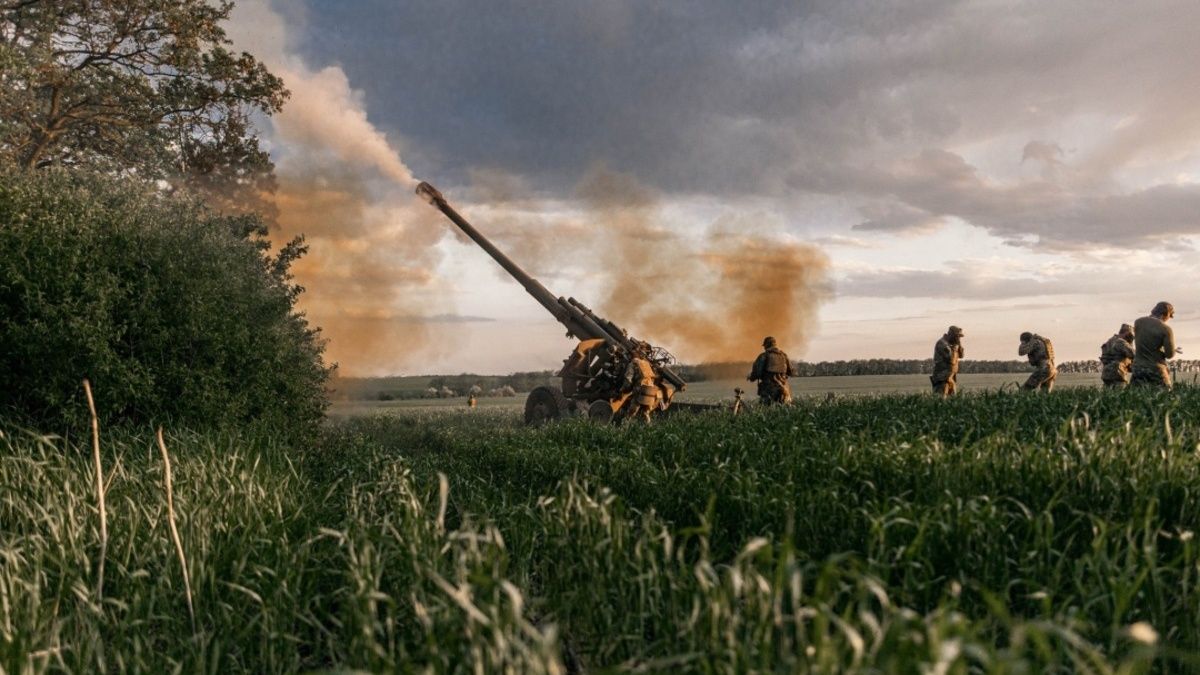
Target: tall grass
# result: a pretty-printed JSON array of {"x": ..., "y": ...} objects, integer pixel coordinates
[
  {"x": 284, "y": 579},
  {"x": 996, "y": 533}
]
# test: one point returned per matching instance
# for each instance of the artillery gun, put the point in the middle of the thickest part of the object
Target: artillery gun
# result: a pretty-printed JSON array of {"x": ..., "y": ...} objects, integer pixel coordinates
[{"x": 593, "y": 376}]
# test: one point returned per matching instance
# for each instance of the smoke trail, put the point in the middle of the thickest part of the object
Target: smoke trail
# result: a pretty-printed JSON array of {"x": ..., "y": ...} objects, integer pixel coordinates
[{"x": 368, "y": 274}]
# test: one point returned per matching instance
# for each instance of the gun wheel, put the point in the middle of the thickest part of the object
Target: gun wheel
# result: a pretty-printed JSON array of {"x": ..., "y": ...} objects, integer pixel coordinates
[
  {"x": 545, "y": 405},
  {"x": 600, "y": 412}
]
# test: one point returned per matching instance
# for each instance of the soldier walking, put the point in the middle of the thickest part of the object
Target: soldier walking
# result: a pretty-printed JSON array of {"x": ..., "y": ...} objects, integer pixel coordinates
[
  {"x": 642, "y": 384},
  {"x": 1155, "y": 343},
  {"x": 946, "y": 354},
  {"x": 1041, "y": 356},
  {"x": 1116, "y": 356},
  {"x": 771, "y": 371}
]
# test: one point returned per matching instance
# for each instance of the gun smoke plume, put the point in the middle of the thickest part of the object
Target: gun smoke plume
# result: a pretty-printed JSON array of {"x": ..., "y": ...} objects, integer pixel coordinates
[
  {"x": 368, "y": 273},
  {"x": 709, "y": 297},
  {"x": 708, "y": 294}
]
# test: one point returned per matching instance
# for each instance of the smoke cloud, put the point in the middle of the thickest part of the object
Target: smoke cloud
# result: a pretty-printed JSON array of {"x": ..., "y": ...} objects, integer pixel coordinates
[
  {"x": 710, "y": 296},
  {"x": 342, "y": 185}
]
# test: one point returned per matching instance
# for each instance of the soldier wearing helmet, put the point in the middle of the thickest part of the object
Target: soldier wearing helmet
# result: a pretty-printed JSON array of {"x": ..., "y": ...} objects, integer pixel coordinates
[
  {"x": 1155, "y": 343},
  {"x": 1041, "y": 356},
  {"x": 1116, "y": 357},
  {"x": 771, "y": 371},
  {"x": 946, "y": 354}
]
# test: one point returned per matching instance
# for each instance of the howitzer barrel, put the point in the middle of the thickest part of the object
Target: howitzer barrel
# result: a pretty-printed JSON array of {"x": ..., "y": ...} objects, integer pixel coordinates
[
  {"x": 579, "y": 321},
  {"x": 579, "y": 326}
]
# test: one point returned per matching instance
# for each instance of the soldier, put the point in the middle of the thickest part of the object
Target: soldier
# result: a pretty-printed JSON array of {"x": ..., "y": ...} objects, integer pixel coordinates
[
  {"x": 1155, "y": 343},
  {"x": 771, "y": 371},
  {"x": 642, "y": 382},
  {"x": 1041, "y": 356},
  {"x": 1117, "y": 356},
  {"x": 946, "y": 354}
]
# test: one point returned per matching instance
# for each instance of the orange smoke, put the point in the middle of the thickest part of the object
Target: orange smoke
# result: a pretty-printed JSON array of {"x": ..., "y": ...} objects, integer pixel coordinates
[
  {"x": 710, "y": 295},
  {"x": 769, "y": 288},
  {"x": 368, "y": 274},
  {"x": 369, "y": 271}
]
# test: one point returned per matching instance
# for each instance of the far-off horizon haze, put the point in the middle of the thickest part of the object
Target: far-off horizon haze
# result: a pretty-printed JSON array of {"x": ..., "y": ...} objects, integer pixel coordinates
[{"x": 850, "y": 177}]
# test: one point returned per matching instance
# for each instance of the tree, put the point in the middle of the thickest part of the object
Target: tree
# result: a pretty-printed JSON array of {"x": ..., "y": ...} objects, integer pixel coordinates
[{"x": 142, "y": 87}]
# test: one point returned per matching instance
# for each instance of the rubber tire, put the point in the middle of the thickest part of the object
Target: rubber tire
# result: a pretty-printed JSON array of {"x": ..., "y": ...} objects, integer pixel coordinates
[
  {"x": 545, "y": 405},
  {"x": 600, "y": 412}
]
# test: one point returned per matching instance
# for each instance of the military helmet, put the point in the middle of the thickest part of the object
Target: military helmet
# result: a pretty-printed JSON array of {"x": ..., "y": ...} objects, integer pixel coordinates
[
  {"x": 955, "y": 331},
  {"x": 1163, "y": 309},
  {"x": 768, "y": 341},
  {"x": 1026, "y": 336}
]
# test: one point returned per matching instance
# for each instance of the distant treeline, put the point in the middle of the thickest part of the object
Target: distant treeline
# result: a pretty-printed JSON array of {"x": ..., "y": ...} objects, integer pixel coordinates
[{"x": 729, "y": 371}]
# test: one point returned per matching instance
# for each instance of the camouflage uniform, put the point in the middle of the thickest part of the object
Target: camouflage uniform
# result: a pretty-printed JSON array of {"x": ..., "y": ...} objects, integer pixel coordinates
[
  {"x": 771, "y": 371},
  {"x": 1155, "y": 344},
  {"x": 1116, "y": 355},
  {"x": 946, "y": 354},
  {"x": 642, "y": 382},
  {"x": 1041, "y": 356}
]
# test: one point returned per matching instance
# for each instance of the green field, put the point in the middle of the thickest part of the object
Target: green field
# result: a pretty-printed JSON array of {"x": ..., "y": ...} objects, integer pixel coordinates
[
  {"x": 718, "y": 391},
  {"x": 997, "y": 532}
]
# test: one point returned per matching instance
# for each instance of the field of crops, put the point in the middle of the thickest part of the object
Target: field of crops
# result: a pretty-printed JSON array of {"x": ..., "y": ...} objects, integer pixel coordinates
[
  {"x": 718, "y": 391},
  {"x": 997, "y": 532}
]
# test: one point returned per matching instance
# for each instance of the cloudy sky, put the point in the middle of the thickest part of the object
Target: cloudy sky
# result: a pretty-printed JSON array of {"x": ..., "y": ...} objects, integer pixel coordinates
[{"x": 1001, "y": 165}]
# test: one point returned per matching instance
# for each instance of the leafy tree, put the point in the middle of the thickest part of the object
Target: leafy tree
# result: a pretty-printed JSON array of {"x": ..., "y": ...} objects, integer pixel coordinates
[
  {"x": 143, "y": 87},
  {"x": 177, "y": 315}
]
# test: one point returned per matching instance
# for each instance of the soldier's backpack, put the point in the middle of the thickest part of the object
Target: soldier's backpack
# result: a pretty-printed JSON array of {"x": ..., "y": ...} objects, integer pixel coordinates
[
  {"x": 1049, "y": 348},
  {"x": 1108, "y": 352},
  {"x": 777, "y": 362}
]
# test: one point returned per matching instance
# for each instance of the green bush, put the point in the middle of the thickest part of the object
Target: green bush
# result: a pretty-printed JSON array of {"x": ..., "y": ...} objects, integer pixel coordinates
[{"x": 176, "y": 315}]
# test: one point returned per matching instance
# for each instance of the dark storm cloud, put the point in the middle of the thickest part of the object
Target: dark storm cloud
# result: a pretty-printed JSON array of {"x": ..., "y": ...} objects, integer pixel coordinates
[
  {"x": 870, "y": 101},
  {"x": 549, "y": 88}
]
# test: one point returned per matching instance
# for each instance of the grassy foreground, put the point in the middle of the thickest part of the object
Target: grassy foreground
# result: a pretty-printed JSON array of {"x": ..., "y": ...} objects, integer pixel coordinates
[{"x": 998, "y": 532}]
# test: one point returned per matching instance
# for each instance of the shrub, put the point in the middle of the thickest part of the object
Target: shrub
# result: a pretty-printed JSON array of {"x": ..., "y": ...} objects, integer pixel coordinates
[{"x": 176, "y": 314}]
